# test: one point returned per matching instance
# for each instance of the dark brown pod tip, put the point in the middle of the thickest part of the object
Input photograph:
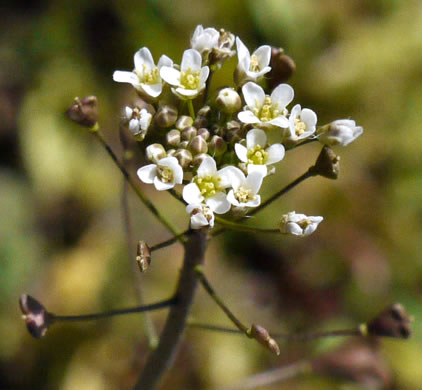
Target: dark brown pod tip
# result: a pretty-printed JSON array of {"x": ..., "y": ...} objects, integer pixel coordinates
[
  {"x": 36, "y": 317},
  {"x": 282, "y": 67},
  {"x": 261, "y": 335},
  {"x": 84, "y": 112},
  {"x": 327, "y": 164},
  {"x": 391, "y": 322}
]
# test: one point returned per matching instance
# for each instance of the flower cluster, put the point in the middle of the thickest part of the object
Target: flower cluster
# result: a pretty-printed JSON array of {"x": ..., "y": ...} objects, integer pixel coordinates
[{"x": 217, "y": 145}]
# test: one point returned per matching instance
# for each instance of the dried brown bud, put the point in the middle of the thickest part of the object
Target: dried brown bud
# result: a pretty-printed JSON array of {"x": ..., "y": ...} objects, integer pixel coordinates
[
  {"x": 84, "y": 112},
  {"x": 173, "y": 137},
  {"x": 184, "y": 157},
  {"x": 282, "y": 68},
  {"x": 37, "y": 318},
  {"x": 183, "y": 122},
  {"x": 198, "y": 145},
  {"x": 188, "y": 133},
  {"x": 261, "y": 335},
  {"x": 327, "y": 164},
  {"x": 391, "y": 322},
  {"x": 143, "y": 256},
  {"x": 166, "y": 116}
]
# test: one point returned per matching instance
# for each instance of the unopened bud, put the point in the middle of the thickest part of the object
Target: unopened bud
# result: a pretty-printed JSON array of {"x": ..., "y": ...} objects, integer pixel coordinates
[
  {"x": 198, "y": 145},
  {"x": 282, "y": 68},
  {"x": 183, "y": 122},
  {"x": 261, "y": 335},
  {"x": 197, "y": 160},
  {"x": 217, "y": 146},
  {"x": 204, "y": 111},
  {"x": 204, "y": 133},
  {"x": 183, "y": 144},
  {"x": 155, "y": 152},
  {"x": 188, "y": 133},
  {"x": 200, "y": 121},
  {"x": 166, "y": 116},
  {"x": 391, "y": 322},
  {"x": 184, "y": 157},
  {"x": 171, "y": 152},
  {"x": 84, "y": 112},
  {"x": 37, "y": 318},
  {"x": 143, "y": 256},
  {"x": 173, "y": 137},
  {"x": 327, "y": 164},
  {"x": 228, "y": 100}
]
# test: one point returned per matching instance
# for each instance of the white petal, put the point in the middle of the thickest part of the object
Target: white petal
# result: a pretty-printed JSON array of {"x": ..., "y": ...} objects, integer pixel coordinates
[
  {"x": 243, "y": 55},
  {"x": 143, "y": 57},
  {"x": 241, "y": 152},
  {"x": 192, "y": 194},
  {"x": 191, "y": 59},
  {"x": 164, "y": 61},
  {"x": 280, "y": 121},
  {"x": 170, "y": 75},
  {"x": 126, "y": 77},
  {"x": 161, "y": 186},
  {"x": 247, "y": 117},
  {"x": 264, "y": 56},
  {"x": 276, "y": 153},
  {"x": 205, "y": 71},
  {"x": 218, "y": 203},
  {"x": 128, "y": 112},
  {"x": 134, "y": 126},
  {"x": 293, "y": 228},
  {"x": 256, "y": 137},
  {"x": 254, "y": 95},
  {"x": 198, "y": 220},
  {"x": 186, "y": 93},
  {"x": 147, "y": 173},
  {"x": 173, "y": 164},
  {"x": 145, "y": 119},
  {"x": 230, "y": 177},
  {"x": 254, "y": 181},
  {"x": 232, "y": 199},
  {"x": 308, "y": 117},
  {"x": 282, "y": 95},
  {"x": 261, "y": 169},
  {"x": 295, "y": 112},
  {"x": 254, "y": 202},
  {"x": 208, "y": 167},
  {"x": 152, "y": 90}
]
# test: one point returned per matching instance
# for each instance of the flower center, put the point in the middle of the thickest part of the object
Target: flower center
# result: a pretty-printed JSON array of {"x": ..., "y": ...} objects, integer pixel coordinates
[
  {"x": 257, "y": 155},
  {"x": 190, "y": 79},
  {"x": 165, "y": 174},
  {"x": 300, "y": 126},
  {"x": 148, "y": 76},
  {"x": 268, "y": 110},
  {"x": 304, "y": 223},
  {"x": 206, "y": 212},
  {"x": 208, "y": 185},
  {"x": 244, "y": 195},
  {"x": 254, "y": 67}
]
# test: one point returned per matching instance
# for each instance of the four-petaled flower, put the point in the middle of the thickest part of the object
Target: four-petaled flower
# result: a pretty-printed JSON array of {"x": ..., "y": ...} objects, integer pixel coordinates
[
  {"x": 302, "y": 123},
  {"x": 340, "y": 132},
  {"x": 200, "y": 215},
  {"x": 146, "y": 76},
  {"x": 190, "y": 80},
  {"x": 245, "y": 189},
  {"x": 263, "y": 110},
  {"x": 139, "y": 121},
  {"x": 252, "y": 67},
  {"x": 209, "y": 186},
  {"x": 165, "y": 174},
  {"x": 256, "y": 155},
  {"x": 298, "y": 224},
  {"x": 203, "y": 40}
]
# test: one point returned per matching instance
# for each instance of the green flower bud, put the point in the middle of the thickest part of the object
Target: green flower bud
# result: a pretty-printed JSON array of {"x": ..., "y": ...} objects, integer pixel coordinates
[
  {"x": 183, "y": 122},
  {"x": 228, "y": 101},
  {"x": 217, "y": 146},
  {"x": 155, "y": 152},
  {"x": 188, "y": 133},
  {"x": 198, "y": 145},
  {"x": 166, "y": 116},
  {"x": 173, "y": 137},
  {"x": 184, "y": 157},
  {"x": 204, "y": 133}
]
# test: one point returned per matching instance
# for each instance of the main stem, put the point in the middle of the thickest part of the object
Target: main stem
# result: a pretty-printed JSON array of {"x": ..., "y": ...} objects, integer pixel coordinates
[{"x": 160, "y": 360}]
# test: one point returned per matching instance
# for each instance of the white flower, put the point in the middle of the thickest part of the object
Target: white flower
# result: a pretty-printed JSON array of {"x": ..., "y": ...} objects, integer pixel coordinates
[
  {"x": 139, "y": 120},
  {"x": 165, "y": 174},
  {"x": 209, "y": 186},
  {"x": 245, "y": 189},
  {"x": 200, "y": 215},
  {"x": 146, "y": 76},
  {"x": 190, "y": 80},
  {"x": 203, "y": 40},
  {"x": 255, "y": 65},
  {"x": 264, "y": 110},
  {"x": 255, "y": 155},
  {"x": 340, "y": 132},
  {"x": 302, "y": 123},
  {"x": 299, "y": 224}
]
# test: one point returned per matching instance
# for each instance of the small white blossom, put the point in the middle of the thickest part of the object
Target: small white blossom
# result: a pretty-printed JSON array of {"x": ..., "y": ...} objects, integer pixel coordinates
[
  {"x": 209, "y": 186},
  {"x": 203, "y": 40},
  {"x": 165, "y": 174},
  {"x": 190, "y": 80},
  {"x": 146, "y": 76},
  {"x": 299, "y": 224},
  {"x": 245, "y": 189},
  {"x": 263, "y": 110},
  {"x": 302, "y": 123},
  {"x": 200, "y": 215},
  {"x": 139, "y": 120},
  {"x": 340, "y": 132},
  {"x": 256, "y": 155},
  {"x": 252, "y": 67}
]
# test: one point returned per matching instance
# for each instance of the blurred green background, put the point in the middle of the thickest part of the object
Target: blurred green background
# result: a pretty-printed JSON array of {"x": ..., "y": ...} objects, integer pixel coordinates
[{"x": 61, "y": 233}]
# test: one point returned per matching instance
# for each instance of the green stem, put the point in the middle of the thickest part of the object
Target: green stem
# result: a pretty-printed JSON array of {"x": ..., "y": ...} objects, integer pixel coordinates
[{"x": 191, "y": 110}]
